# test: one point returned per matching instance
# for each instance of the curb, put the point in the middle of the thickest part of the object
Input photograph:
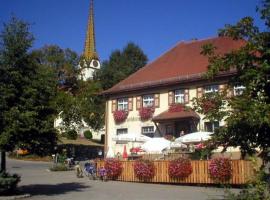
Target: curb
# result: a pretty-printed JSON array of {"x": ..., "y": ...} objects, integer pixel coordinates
[{"x": 15, "y": 197}]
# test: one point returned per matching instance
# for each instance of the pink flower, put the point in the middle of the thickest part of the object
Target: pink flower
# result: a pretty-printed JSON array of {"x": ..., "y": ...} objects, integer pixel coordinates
[
  {"x": 120, "y": 115},
  {"x": 146, "y": 112},
  {"x": 220, "y": 169}
]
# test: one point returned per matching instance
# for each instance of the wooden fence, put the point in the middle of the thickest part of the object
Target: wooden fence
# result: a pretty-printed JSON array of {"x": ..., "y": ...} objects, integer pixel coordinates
[{"x": 242, "y": 171}]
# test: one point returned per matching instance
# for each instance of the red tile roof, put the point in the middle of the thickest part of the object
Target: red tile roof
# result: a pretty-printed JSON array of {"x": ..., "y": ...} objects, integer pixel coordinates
[
  {"x": 181, "y": 63},
  {"x": 167, "y": 115}
]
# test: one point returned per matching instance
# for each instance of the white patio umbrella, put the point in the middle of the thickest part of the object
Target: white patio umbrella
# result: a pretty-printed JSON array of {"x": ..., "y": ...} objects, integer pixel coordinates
[
  {"x": 131, "y": 137},
  {"x": 156, "y": 145},
  {"x": 110, "y": 153},
  {"x": 195, "y": 137},
  {"x": 177, "y": 145}
]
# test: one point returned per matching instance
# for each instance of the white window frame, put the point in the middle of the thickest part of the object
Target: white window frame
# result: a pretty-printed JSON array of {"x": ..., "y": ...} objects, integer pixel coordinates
[
  {"x": 148, "y": 100},
  {"x": 210, "y": 89},
  {"x": 121, "y": 131},
  {"x": 148, "y": 131},
  {"x": 179, "y": 96},
  {"x": 122, "y": 104},
  {"x": 238, "y": 89}
]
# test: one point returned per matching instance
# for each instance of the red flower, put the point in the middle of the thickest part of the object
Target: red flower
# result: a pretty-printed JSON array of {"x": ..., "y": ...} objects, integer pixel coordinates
[
  {"x": 113, "y": 168},
  {"x": 120, "y": 116},
  {"x": 177, "y": 107},
  {"x": 146, "y": 112},
  {"x": 220, "y": 169},
  {"x": 144, "y": 169},
  {"x": 180, "y": 168}
]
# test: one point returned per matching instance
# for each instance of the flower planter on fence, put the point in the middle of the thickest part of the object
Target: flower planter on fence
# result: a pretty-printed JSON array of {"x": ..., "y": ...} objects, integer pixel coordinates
[{"x": 242, "y": 171}]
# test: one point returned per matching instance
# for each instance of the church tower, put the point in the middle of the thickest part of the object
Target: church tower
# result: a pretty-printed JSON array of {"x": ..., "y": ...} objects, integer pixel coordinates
[{"x": 91, "y": 61}]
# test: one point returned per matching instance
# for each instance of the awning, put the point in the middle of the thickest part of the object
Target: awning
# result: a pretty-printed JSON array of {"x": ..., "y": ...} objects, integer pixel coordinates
[{"x": 174, "y": 116}]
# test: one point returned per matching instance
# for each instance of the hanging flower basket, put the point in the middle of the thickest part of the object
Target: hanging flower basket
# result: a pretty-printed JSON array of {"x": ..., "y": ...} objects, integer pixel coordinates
[
  {"x": 220, "y": 169},
  {"x": 113, "y": 168},
  {"x": 144, "y": 169},
  {"x": 120, "y": 116},
  {"x": 180, "y": 168},
  {"x": 146, "y": 113},
  {"x": 177, "y": 107}
]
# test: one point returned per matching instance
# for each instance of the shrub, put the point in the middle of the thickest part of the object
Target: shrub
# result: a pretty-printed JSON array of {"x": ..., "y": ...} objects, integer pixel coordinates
[
  {"x": 113, "y": 168},
  {"x": 59, "y": 167},
  {"x": 180, "y": 168},
  {"x": 8, "y": 183},
  {"x": 120, "y": 116},
  {"x": 88, "y": 134},
  {"x": 71, "y": 134},
  {"x": 220, "y": 169},
  {"x": 144, "y": 169},
  {"x": 146, "y": 112}
]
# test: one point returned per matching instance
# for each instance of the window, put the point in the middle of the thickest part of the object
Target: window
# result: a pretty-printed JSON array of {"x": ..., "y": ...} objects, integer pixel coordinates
[
  {"x": 121, "y": 131},
  {"x": 148, "y": 100},
  {"x": 179, "y": 96},
  {"x": 238, "y": 89},
  {"x": 148, "y": 131},
  {"x": 211, "y": 126},
  {"x": 210, "y": 89},
  {"x": 122, "y": 104}
]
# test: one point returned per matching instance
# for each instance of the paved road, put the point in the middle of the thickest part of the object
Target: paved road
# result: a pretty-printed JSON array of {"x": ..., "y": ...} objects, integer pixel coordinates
[{"x": 42, "y": 184}]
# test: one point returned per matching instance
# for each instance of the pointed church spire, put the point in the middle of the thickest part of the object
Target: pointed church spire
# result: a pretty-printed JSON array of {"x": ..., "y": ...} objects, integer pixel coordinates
[{"x": 90, "y": 43}]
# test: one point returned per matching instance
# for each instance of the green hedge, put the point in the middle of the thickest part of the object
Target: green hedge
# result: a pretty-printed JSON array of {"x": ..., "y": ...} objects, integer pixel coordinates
[
  {"x": 71, "y": 134},
  {"x": 8, "y": 182}
]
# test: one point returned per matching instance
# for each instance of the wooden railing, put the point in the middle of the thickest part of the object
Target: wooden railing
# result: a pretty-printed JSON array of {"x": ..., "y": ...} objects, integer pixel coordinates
[{"x": 241, "y": 172}]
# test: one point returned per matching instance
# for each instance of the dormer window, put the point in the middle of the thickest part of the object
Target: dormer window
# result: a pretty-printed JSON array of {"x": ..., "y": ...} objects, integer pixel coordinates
[
  {"x": 122, "y": 104},
  {"x": 148, "y": 100}
]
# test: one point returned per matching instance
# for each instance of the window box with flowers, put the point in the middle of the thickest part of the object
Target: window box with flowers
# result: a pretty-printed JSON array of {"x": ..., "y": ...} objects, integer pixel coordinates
[
  {"x": 179, "y": 168},
  {"x": 177, "y": 107},
  {"x": 144, "y": 169},
  {"x": 146, "y": 113},
  {"x": 220, "y": 169},
  {"x": 120, "y": 116},
  {"x": 113, "y": 168}
]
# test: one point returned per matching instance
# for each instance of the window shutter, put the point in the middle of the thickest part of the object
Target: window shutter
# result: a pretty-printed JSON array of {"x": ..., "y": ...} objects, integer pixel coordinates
[
  {"x": 199, "y": 92},
  {"x": 130, "y": 104},
  {"x": 170, "y": 97},
  {"x": 138, "y": 102},
  {"x": 114, "y": 105},
  {"x": 156, "y": 100},
  {"x": 186, "y": 96}
]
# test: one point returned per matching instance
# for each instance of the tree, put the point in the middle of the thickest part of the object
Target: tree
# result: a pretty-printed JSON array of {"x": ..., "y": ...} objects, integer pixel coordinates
[
  {"x": 120, "y": 65},
  {"x": 26, "y": 92},
  {"x": 248, "y": 119}
]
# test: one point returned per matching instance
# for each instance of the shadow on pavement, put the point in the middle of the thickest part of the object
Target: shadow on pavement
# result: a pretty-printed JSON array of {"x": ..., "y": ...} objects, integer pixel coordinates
[{"x": 52, "y": 189}]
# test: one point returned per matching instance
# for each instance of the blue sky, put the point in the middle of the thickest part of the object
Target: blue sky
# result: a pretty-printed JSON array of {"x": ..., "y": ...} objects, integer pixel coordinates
[{"x": 155, "y": 25}]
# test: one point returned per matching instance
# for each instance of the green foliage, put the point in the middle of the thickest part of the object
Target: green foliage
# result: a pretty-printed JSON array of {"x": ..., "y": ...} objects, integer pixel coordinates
[
  {"x": 8, "y": 183},
  {"x": 88, "y": 134},
  {"x": 247, "y": 120},
  {"x": 71, "y": 134},
  {"x": 258, "y": 189},
  {"x": 27, "y": 90},
  {"x": 59, "y": 167},
  {"x": 120, "y": 65}
]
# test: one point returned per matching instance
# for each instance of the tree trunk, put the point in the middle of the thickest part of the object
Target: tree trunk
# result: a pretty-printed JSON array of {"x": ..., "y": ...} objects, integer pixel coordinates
[{"x": 3, "y": 161}]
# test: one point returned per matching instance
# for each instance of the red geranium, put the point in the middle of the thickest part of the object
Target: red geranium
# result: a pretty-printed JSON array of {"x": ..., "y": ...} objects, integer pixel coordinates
[
  {"x": 120, "y": 115},
  {"x": 146, "y": 112},
  {"x": 144, "y": 169},
  {"x": 177, "y": 107},
  {"x": 220, "y": 169},
  {"x": 180, "y": 168},
  {"x": 113, "y": 168}
]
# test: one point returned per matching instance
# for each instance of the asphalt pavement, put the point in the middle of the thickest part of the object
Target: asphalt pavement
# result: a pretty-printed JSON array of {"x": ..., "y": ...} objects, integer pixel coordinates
[{"x": 43, "y": 184}]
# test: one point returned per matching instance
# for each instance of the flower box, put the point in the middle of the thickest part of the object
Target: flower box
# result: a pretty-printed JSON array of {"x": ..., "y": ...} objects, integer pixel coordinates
[
  {"x": 177, "y": 107},
  {"x": 120, "y": 116},
  {"x": 146, "y": 113},
  {"x": 220, "y": 169},
  {"x": 180, "y": 168},
  {"x": 144, "y": 169},
  {"x": 113, "y": 168}
]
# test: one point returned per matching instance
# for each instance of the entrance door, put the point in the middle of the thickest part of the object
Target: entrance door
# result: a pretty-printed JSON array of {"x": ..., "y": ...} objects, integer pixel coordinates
[{"x": 183, "y": 125}]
